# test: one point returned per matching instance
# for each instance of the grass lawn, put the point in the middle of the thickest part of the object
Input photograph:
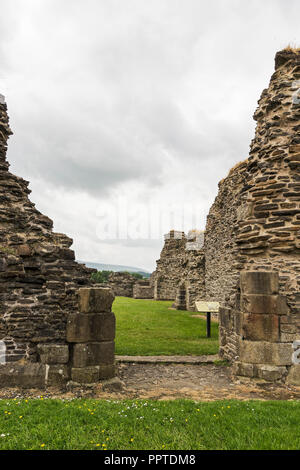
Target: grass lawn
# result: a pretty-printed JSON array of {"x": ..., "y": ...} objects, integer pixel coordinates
[
  {"x": 149, "y": 327},
  {"x": 151, "y": 425}
]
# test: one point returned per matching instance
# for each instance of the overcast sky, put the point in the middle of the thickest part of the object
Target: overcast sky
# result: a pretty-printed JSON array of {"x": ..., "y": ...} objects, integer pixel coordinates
[{"x": 127, "y": 113}]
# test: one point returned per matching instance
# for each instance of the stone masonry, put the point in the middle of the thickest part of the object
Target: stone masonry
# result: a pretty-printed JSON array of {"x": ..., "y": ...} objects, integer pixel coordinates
[
  {"x": 179, "y": 275},
  {"x": 121, "y": 283},
  {"x": 39, "y": 282},
  {"x": 254, "y": 228},
  {"x": 142, "y": 289},
  {"x": 91, "y": 334}
]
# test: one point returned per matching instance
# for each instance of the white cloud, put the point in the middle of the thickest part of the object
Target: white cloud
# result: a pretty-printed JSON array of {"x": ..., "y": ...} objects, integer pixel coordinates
[{"x": 148, "y": 101}]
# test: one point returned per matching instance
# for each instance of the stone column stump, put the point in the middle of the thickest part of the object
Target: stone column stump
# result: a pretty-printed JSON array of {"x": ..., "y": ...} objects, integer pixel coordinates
[
  {"x": 91, "y": 334},
  {"x": 263, "y": 351}
]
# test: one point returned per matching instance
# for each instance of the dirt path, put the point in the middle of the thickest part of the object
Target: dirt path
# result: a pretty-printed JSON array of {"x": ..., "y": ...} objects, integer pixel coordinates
[
  {"x": 204, "y": 382},
  {"x": 198, "y": 382}
]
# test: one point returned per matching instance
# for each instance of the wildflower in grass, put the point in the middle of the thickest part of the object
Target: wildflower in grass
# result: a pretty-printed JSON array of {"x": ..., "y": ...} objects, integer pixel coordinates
[
  {"x": 43, "y": 445},
  {"x": 20, "y": 417}
]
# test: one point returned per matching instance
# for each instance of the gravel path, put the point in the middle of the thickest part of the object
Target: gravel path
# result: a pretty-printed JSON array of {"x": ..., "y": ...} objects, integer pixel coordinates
[{"x": 168, "y": 378}]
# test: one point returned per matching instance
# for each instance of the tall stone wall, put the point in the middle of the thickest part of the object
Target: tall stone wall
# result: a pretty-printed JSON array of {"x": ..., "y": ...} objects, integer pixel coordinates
[
  {"x": 169, "y": 266},
  {"x": 255, "y": 221},
  {"x": 39, "y": 276},
  {"x": 220, "y": 246},
  {"x": 180, "y": 270}
]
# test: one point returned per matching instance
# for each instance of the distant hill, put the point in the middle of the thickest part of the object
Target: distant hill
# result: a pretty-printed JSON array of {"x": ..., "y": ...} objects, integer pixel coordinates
[{"x": 116, "y": 268}]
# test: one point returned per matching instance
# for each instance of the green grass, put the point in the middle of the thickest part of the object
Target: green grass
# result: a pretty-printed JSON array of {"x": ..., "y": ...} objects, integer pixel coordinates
[
  {"x": 151, "y": 425},
  {"x": 148, "y": 327}
]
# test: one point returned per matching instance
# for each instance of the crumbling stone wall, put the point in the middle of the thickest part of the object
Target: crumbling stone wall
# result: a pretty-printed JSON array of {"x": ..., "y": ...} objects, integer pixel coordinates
[
  {"x": 142, "y": 289},
  {"x": 39, "y": 280},
  {"x": 121, "y": 283},
  {"x": 220, "y": 245},
  {"x": 191, "y": 287},
  {"x": 179, "y": 275},
  {"x": 263, "y": 233},
  {"x": 87, "y": 357},
  {"x": 169, "y": 266}
]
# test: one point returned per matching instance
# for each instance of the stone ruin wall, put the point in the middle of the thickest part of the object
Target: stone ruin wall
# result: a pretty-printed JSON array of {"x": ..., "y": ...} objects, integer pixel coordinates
[
  {"x": 255, "y": 224},
  {"x": 143, "y": 289},
  {"x": 126, "y": 285},
  {"x": 121, "y": 283},
  {"x": 179, "y": 275},
  {"x": 168, "y": 268},
  {"x": 39, "y": 281}
]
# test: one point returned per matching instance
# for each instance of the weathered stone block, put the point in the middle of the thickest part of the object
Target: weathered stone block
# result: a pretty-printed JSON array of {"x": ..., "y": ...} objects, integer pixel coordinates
[
  {"x": 293, "y": 377},
  {"x": 225, "y": 317},
  {"x": 260, "y": 303},
  {"x": 271, "y": 373},
  {"x": 95, "y": 300},
  {"x": 244, "y": 369},
  {"x": 107, "y": 371},
  {"x": 53, "y": 353},
  {"x": 57, "y": 375},
  {"x": 112, "y": 385},
  {"x": 85, "y": 375},
  {"x": 31, "y": 375},
  {"x": 85, "y": 327},
  {"x": 255, "y": 282},
  {"x": 288, "y": 337},
  {"x": 260, "y": 327},
  {"x": 262, "y": 352},
  {"x": 90, "y": 354}
]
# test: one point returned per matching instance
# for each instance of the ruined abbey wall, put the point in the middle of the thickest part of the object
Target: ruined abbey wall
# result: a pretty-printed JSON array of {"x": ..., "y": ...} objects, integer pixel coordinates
[
  {"x": 39, "y": 282},
  {"x": 179, "y": 275},
  {"x": 255, "y": 224},
  {"x": 121, "y": 283}
]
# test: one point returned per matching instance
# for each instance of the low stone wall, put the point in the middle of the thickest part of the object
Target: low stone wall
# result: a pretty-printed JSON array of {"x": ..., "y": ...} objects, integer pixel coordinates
[
  {"x": 143, "y": 290},
  {"x": 87, "y": 356},
  {"x": 121, "y": 283}
]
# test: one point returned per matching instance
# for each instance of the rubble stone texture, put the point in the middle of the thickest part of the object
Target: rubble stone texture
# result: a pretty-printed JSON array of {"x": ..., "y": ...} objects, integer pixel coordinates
[
  {"x": 142, "y": 289},
  {"x": 121, "y": 283},
  {"x": 179, "y": 275},
  {"x": 39, "y": 277},
  {"x": 254, "y": 225},
  {"x": 41, "y": 330}
]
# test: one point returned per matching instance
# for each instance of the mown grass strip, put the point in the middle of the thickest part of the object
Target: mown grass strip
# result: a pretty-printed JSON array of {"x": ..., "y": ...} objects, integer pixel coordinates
[
  {"x": 148, "y": 425},
  {"x": 152, "y": 328}
]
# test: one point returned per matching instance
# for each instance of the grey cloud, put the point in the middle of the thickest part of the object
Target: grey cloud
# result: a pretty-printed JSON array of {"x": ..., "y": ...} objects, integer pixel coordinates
[{"x": 104, "y": 94}]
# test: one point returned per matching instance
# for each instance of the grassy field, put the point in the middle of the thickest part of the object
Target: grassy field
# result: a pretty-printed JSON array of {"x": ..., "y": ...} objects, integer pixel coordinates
[
  {"x": 148, "y": 327},
  {"x": 151, "y": 425}
]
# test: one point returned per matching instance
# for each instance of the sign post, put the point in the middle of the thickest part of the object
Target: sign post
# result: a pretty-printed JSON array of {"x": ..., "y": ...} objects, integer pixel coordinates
[{"x": 208, "y": 308}]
